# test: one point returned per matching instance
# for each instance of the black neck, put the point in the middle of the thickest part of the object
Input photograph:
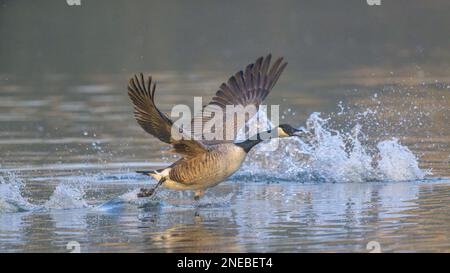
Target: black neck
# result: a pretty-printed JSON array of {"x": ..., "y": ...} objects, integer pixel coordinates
[{"x": 248, "y": 144}]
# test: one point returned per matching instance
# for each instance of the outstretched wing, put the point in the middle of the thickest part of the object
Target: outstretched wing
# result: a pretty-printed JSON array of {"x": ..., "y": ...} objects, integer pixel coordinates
[
  {"x": 156, "y": 123},
  {"x": 245, "y": 88},
  {"x": 152, "y": 120}
]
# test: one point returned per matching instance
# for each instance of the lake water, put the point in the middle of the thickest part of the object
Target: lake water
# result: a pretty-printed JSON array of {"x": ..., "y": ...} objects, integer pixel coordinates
[
  {"x": 375, "y": 173},
  {"x": 68, "y": 165}
]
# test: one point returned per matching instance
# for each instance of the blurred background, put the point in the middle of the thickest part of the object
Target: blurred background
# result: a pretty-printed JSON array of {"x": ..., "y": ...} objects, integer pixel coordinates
[{"x": 104, "y": 36}]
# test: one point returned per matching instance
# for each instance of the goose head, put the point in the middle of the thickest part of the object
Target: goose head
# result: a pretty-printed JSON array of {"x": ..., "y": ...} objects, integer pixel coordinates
[{"x": 286, "y": 130}]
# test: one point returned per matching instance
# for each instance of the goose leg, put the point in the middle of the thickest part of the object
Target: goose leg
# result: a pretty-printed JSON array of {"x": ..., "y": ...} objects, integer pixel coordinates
[
  {"x": 151, "y": 192},
  {"x": 198, "y": 194}
]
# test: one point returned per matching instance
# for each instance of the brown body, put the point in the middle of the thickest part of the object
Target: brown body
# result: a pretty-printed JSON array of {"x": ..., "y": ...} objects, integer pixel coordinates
[{"x": 205, "y": 170}]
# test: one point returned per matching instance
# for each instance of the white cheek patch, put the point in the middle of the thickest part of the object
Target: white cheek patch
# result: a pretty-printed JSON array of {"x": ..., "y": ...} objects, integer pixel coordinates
[{"x": 281, "y": 133}]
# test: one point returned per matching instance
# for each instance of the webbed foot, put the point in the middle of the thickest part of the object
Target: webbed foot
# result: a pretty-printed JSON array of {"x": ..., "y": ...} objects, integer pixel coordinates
[
  {"x": 150, "y": 192},
  {"x": 146, "y": 193}
]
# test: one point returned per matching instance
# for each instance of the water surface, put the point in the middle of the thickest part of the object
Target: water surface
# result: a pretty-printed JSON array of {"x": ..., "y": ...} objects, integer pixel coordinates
[{"x": 68, "y": 167}]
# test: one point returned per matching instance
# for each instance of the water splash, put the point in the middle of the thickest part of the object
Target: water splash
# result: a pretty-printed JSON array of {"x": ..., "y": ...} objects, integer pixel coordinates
[
  {"x": 11, "y": 198},
  {"x": 168, "y": 199},
  {"x": 330, "y": 155},
  {"x": 398, "y": 162},
  {"x": 128, "y": 198},
  {"x": 67, "y": 196}
]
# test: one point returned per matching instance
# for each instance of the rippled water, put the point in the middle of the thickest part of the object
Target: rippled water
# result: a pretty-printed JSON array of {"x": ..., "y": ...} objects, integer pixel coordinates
[{"x": 375, "y": 169}]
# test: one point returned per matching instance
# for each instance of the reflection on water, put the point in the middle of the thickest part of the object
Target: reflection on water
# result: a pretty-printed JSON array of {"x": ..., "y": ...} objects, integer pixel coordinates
[{"x": 290, "y": 217}]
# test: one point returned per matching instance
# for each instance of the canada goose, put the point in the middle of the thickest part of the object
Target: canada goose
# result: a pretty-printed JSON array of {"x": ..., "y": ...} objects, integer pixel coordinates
[{"x": 206, "y": 163}]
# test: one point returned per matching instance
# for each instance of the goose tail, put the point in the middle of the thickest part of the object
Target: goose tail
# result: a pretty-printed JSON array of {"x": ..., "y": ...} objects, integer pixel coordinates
[
  {"x": 149, "y": 173},
  {"x": 157, "y": 174}
]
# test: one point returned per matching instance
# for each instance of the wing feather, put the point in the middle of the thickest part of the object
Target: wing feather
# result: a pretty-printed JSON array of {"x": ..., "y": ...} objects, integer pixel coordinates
[
  {"x": 156, "y": 123},
  {"x": 248, "y": 87}
]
